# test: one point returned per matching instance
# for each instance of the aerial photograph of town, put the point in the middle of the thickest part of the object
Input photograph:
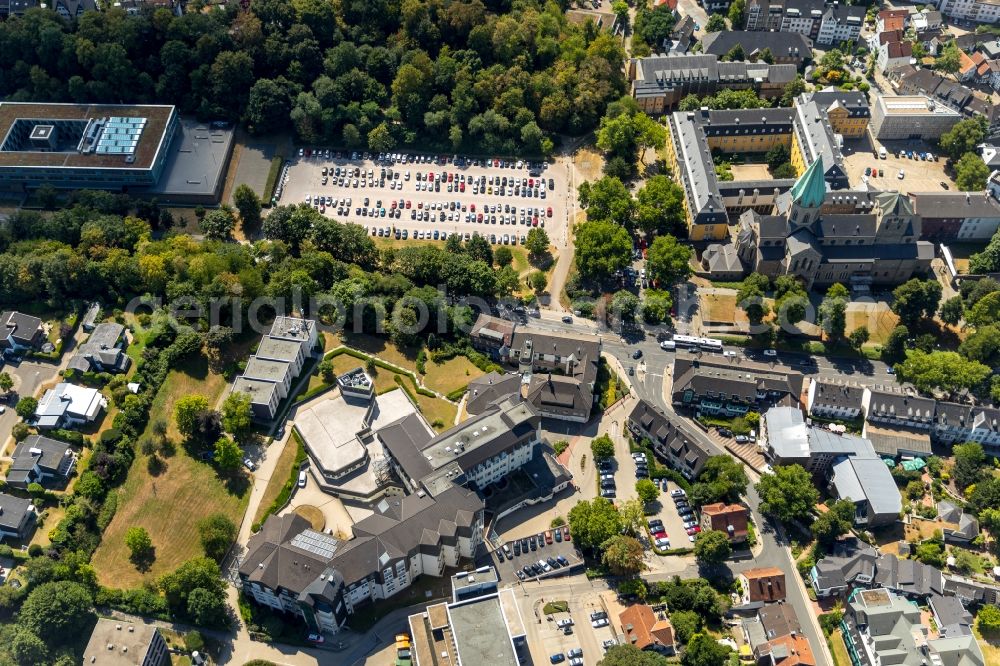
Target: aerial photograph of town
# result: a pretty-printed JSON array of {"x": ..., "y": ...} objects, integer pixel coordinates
[{"x": 499, "y": 333}]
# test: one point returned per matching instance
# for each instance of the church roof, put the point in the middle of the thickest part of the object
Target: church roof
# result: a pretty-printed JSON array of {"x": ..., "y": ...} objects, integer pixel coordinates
[{"x": 810, "y": 190}]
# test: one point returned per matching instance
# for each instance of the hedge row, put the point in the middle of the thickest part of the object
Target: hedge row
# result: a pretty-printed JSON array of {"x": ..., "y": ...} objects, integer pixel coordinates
[{"x": 286, "y": 490}]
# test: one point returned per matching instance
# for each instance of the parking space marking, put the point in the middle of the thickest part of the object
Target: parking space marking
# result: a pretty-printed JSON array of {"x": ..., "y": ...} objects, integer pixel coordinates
[{"x": 508, "y": 213}]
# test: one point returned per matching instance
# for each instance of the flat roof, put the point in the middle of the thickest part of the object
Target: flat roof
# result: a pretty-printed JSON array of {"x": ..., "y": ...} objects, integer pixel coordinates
[
  {"x": 149, "y": 145},
  {"x": 259, "y": 392},
  {"x": 914, "y": 105},
  {"x": 118, "y": 643},
  {"x": 197, "y": 159},
  {"x": 330, "y": 425},
  {"x": 481, "y": 633},
  {"x": 278, "y": 349},
  {"x": 266, "y": 369}
]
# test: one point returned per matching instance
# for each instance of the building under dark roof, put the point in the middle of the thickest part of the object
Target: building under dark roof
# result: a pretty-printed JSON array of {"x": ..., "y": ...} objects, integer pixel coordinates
[
  {"x": 104, "y": 351},
  {"x": 40, "y": 460},
  {"x": 671, "y": 443},
  {"x": 908, "y": 577},
  {"x": 786, "y": 47}
]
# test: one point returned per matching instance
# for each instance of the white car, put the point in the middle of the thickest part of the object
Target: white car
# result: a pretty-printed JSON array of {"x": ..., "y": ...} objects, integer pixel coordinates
[
  {"x": 565, "y": 622},
  {"x": 900, "y": 175},
  {"x": 770, "y": 352},
  {"x": 663, "y": 543},
  {"x": 597, "y": 624}
]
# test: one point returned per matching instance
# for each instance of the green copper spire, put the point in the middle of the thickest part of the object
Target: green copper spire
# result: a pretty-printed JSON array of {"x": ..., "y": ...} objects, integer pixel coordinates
[{"x": 810, "y": 189}]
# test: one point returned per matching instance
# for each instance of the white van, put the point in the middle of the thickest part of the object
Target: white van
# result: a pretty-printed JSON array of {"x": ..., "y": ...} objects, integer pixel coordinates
[
  {"x": 302, "y": 479},
  {"x": 668, "y": 344},
  {"x": 881, "y": 153}
]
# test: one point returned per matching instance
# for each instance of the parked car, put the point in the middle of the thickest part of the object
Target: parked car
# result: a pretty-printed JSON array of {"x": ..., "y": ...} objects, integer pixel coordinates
[
  {"x": 249, "y": 464},
  {"x": 576, "y": 661},
  {"x": 557, "y": 658},
  {"x": 565, "y": 622},
  {"x": 597, "y": 624},
  {"x": 316, "y": 638},
  {"x": 770, "y": 352},
  {"x": 302, "y": 479}
]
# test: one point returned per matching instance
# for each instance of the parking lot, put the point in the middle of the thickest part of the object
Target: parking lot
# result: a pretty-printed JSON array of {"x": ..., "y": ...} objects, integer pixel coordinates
[
  {"x": 585, "y": 641},
  {"x": 624, "y": 471},
  {"x": 519, "y": 558},
  {"x": 919, "y": 175},
  {"x": 430, "y": 197}
]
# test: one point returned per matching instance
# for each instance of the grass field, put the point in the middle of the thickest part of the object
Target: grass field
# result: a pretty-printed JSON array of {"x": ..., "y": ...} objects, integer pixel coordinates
[
  {"x": 839, "y": 650},
  {"x": 282, "y": 469},
  {"x": 990, "y": 646},
  {"x": 719, "y": 308},
  {"x": 438, "y": 412},
  {"x": 450, "y": 375},
  {"x": 170, "y": 504},
  {"x": 879, "y": 319},
  {"x": 381, "y": 347}
]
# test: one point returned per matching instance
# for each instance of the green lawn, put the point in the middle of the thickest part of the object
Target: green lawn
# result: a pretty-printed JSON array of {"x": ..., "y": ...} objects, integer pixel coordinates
[
  {"x": 453, "y": 374},
  {"x": 170, "y": 504}
]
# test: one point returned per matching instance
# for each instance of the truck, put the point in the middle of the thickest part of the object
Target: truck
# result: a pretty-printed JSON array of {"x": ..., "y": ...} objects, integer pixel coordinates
[{"x": 881, "y": 153}]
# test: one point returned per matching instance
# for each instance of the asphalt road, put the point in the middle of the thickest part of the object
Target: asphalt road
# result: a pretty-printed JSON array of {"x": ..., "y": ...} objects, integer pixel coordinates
[{"x": 648, "y": 385}]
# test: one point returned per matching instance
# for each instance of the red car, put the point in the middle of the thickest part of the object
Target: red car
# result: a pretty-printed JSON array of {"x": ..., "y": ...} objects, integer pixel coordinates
[
  {"x": 451, "y": 177},
  {"x": 407, "y": 203},
  {"x": 472, "y": 207},
  {"x": 660, "y": 535},
  {"x": 549, "y": 211},
  {"x": 566, "y": 534},
  {"x": 461, "y": 187}
]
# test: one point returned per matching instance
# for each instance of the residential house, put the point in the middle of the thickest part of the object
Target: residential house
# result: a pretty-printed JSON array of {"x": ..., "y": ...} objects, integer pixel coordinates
[
  {"x": 910, "y": 578},
  {"x": 17, "y": 518},
  {"x": 976, "y": 11},
  {"x": 957, "y": 216},
  {"x": 270, "y": 374},
  {"x": 786, "y": 47},
  {"x": 73, "y": 9},
  {"x": 971, "y": 592},
  {"x": 779, "y": 620},
  {"x": 682, "y": 37},
  {"x": 647, "y": 630},
  {"x": 116, "y": 642},
  {"x": 959, "y": 528},
  {"x": 671, "y": 443},
  {"x": 711, "y": 386},
  {"x": 834, "y": 400},
  {"x": 792, "y": 650},
  {"x": 889, "y": 405},
  {"x": 762, "y": 584},
  {"x": 950, "y": 616},
  {"x": 68, "y": 406},
  {"x": 955, "y": 423},
  {"x": 20, "y": 332},
  {"x": 90, "y": 317},
  {"x": 893, "y": 50},
  {"x": 40, "y": 460},
  {"x": 850, "y": 562},
  {"x": 730, "y": 519},
  {"x": 925, "y": 20},
  {"x": 882, "y": 626},
  {"x": 791, "y": 16},
  {"x": 892, "y": 19},
  {"x": 841, "y": 22},
  {"x": 104, "y": 351},
  {"x": 967, "y": 66}
]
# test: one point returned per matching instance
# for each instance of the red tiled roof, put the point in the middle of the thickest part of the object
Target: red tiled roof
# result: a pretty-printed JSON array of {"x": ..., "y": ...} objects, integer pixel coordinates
[
  {"x": 890, "y": 36},
  {"x": 642, "y": 629},
  {"x": 893, "y": 23},
  {"x": 722, "y": 517},
  {"x": 966, "y": 64},
  {"x": 767, "y": 584},
  {"x": 899, "y": 49},
  {"x": 797, "y": 647}
]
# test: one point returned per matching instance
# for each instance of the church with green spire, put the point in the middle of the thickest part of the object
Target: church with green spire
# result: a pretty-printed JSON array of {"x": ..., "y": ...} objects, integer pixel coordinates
[{"x": 859, "y": 238}]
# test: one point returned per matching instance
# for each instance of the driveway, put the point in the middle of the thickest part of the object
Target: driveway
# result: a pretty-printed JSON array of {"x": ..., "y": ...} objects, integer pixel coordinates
[
  {"x": 337, "y": 518},
  {"x": 267, "y": 460}
]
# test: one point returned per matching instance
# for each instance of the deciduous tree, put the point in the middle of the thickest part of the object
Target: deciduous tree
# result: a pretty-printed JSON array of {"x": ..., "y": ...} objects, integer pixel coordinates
[
  {"x": 668, "y": 261},
  {"x": 594, "y": 522},
  {"x": 623, "y": 555},
  {"x": 712, "y": 547},
  {"x": 788, "y": 494}
]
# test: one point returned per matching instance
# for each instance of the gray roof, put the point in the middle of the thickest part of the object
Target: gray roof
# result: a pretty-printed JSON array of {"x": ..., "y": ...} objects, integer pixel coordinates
[
  {"x": 897, "y": 404},
  {"x": 898, "y": 440},
  {"x": 782, "y": 44},
  {"x": 668, "y": 436},
  {"x": 292, "y": 328},
  {"x": 709, "y": 374},
  {"x": 778, "y": 620},
  {"x": 104, "y": 346},
  {"x": 404, "y": 440},
  {"x": 704, "y": 201},
  {"x": 12, "y": 511},
  {"x": 49, "y": 455},
  {"x": 951, "y": 616},
  {"x": 867, "y": 480},
  {"x": 278, "y": 349},
  {"x": 484, "y": 391},
  {"x": 754, "y": 630},
  {"x": 854, "y": 101},
  {"x": 480, "y": 632},
  {"x": 832, "y": 394},
  {"x": 21, "y": 327},
  {"x": 967, "y": 416},
  {"x": 260, "y": 392},
  {"x": 817, "y": 141},
  {"x": 403, "y": 526},
  {"x": 722, "y": 258},
  {"x": 196, "y": 160},
  {"x": 955, "y": 205},
  {"x": 908, "y": 577},
  {"x": 850, "y": 558},
  {"x": 948, "y": 512},
  {"x": 266, "y": 369}
]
